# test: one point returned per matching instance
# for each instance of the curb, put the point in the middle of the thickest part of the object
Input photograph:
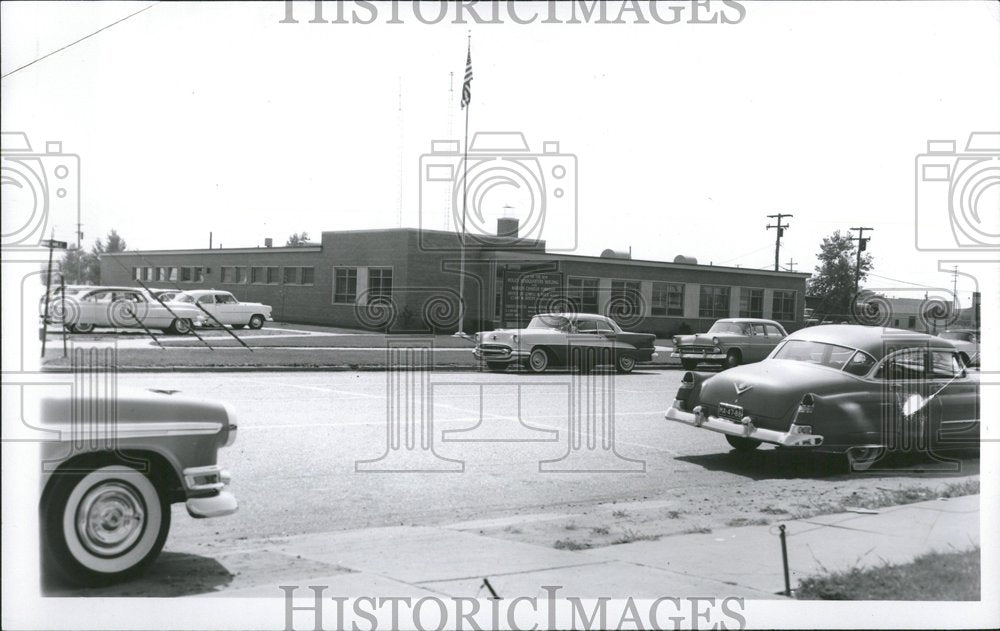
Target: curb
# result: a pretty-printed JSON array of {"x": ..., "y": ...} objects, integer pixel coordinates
[{"x": 325, "y": 368}]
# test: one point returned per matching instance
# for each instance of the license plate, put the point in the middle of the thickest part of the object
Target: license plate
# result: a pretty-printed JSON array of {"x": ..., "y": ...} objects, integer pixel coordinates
[{"x": 731, "y": 412}]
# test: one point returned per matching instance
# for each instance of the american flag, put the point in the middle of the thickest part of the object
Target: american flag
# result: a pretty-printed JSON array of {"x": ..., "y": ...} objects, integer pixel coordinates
[{"x": 467, "y": 86}]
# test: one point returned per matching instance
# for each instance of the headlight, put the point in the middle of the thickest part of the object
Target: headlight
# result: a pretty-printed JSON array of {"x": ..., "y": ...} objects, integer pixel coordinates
[
  {"x": 677, "y": 341},
  {"x": 514, "y": 338},
  {"x": 715, "y": 340}
]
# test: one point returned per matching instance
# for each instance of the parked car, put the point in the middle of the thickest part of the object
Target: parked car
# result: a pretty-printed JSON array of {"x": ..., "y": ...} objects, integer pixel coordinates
[
  {"x": 124, "y": 307},
  {"x": 729, "y": 343},
  {"x": 165, "y": 295},
  {"x": 221, "y": 307},
  {"x": 848, "y": 389},
  {"x": 559, "y": 339},
  {"x": 107, "y": 488},
  {"x": 967, "y": 343},
  {"x": 56, "y": 303}
]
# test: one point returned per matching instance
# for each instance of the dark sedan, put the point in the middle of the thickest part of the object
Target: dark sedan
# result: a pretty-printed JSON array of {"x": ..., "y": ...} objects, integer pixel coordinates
[{"x": 846, "y": 389}]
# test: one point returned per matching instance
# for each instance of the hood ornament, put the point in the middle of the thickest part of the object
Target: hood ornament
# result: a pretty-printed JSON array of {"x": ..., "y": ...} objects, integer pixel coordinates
[{"x": 742, "y": 387}]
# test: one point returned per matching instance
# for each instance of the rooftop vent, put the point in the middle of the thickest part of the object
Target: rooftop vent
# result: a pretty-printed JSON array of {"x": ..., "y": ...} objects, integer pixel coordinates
[
  {"x": 685, "y": 260},
  {"x": 616, "y": 254}
]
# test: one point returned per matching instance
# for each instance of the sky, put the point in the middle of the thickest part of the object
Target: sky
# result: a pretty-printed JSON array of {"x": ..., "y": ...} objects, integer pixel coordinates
[{"x": 192, "y": 118}]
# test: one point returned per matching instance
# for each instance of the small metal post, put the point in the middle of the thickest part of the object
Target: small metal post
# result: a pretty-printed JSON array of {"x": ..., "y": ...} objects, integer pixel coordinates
[{"x": 784, "y": 559}]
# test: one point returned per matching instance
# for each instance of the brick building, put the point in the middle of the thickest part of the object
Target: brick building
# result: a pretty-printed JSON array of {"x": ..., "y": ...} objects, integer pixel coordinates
[{"x": 409, "y": 280}]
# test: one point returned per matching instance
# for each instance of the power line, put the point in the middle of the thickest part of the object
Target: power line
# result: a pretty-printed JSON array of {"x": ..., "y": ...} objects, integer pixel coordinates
[
  {"x": 71, "y": 44},
  {"x": 740, "y": 256}
]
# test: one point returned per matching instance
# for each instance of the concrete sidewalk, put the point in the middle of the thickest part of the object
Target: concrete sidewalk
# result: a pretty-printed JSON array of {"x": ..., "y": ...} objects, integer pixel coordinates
[{"x": 740, "y": 562}]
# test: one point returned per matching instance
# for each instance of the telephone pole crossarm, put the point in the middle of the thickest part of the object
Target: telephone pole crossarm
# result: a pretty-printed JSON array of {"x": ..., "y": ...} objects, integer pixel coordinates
[{"x": 780, "y": 233}]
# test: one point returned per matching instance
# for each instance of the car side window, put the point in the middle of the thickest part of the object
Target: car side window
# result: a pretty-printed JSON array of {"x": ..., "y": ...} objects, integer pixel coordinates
[
  {"x": 586, "y": 326},
  {"x": 906, "y": 365},
  {"x": 604, "y": 328},
  {"x": 860, "y": 364},
  {"x": 946, "y": 365},
  {"x": 206, "y": 300},
  {"x": 758, "y": 329},
  {"x": 773, "y": 331},
  {"x": 225, "y": 299}
]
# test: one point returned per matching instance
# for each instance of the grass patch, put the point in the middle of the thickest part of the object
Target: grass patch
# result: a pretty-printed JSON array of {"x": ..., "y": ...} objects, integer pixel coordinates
[
  {"x": 934, "y": 576},
  {"x": 629, "y": 536},
  {"x": 674, "y": 514},
  {"x": 748, "y": 521},
  {"x": 772, "y": 510},
  {"x": 570, "y": 526},
  {"x": 880, "y": 497},
  {"x": 697, "y": 530},
  {"x": 569, "y": 544},
  {"x": 600, "y": 530},
  {"x": 620, "y": 514}
]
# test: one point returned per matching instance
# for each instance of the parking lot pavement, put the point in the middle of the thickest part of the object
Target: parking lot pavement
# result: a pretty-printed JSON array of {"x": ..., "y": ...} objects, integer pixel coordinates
[{"x": 314, "y": 465}]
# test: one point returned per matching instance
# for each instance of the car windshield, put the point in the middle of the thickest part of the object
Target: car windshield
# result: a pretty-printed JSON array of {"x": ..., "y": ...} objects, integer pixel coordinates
[
  {"x": 957, "y": 335},
  {"x": 830, "y": 355},
  {"x": 738, "y": 328},
  {"x": 548, "y": 322}
]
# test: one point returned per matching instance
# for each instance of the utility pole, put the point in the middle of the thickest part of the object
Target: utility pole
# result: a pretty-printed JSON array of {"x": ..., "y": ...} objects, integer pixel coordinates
[
  {"x": 954, "y": 289},
  {"x": 791, "y": 265},
  {"x": 781, "y": 232},
  {"x": 862, "y": 246}
]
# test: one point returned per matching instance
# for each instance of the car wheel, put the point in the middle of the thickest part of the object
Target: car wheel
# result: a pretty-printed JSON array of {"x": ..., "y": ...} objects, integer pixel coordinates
[
  {"x": 180, "y": 326},
  {"x": 256, "y": 321},
  {"x": 70, "y": 328},
  {"x": 496, "y": 366},
  {"x": 689, "y": 364},
  {"x": 538, "y": 361},
  {"x": 624, "y": 364},
  {"x": 102, "y": 526},
  {"x": 862, "y": 458},
  {"x": 741, "y": 444},
  {"x": 733, "y": 359},
  {"x": 81, "y": 327}
]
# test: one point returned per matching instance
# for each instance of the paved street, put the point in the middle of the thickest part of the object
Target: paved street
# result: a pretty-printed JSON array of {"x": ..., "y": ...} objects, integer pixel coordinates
[{"x": 503, "y": 467}]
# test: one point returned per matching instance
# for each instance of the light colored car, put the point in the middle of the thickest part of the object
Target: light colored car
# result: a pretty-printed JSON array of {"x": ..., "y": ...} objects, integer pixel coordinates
[
  {"x": 967, "y": 343},
  {"x": 845, "y": 389},
  {"x": 221, "y": 307},
  {"x": 562, "y": 339},
  {"x": 729, "y": 343},
  {"x": 108, "y": 485},
  {"x": 123, "y": 307}
]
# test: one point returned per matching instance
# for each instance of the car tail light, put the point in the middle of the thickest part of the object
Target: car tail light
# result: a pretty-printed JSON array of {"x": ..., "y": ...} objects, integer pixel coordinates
[
  {"x": 801, "y": 429},
  {"x": 807, "y": 405},
  {"x": 687, "y": 385}
]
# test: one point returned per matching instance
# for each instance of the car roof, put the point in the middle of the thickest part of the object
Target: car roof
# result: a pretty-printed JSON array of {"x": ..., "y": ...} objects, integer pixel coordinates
[
  {"x": 113, "y": 288},
  {"x": 750, "y": 320},
  {"x": 205, "y": 292},
  {"x": 873, "y": 340},
  {"x": 576, "y": 316}
]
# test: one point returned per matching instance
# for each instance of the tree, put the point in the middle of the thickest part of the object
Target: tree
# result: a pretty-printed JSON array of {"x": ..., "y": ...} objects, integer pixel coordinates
[
  {"x": 833, "y": 280},
  {"x": 84, "y": 268},
  {"x": 298, "y": 240}
]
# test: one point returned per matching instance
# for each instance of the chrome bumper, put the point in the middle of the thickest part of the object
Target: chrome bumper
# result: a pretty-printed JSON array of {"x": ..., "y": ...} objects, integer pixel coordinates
[
  {"x": 215, "y": 506},
  {"x": 506, "y": 357},
  {"x": 698, "y": 355},
  {"x": 744, "y": 429}
]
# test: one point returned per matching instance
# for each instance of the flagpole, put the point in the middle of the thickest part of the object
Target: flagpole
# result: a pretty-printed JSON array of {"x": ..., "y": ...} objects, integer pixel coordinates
[{"x": 465, "y": 200}]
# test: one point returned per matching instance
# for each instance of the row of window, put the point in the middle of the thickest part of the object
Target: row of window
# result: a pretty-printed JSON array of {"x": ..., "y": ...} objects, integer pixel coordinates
[
  {"x": 345, "y": 284},
  {"x": 232, "y": 275},
  {"x": 169, "y": 274},
  {"x": 668, "y": 299}
]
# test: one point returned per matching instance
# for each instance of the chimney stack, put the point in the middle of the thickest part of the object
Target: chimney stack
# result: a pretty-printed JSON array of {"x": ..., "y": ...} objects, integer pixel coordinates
[
  {"x": 507, "y": 226},
  {"x": 268, "y": 242}
]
